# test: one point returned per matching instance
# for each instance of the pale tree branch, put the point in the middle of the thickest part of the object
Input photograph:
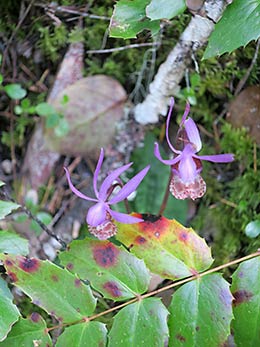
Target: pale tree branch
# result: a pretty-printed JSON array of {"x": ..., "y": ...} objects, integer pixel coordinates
[{"x": 171, "y": 72}]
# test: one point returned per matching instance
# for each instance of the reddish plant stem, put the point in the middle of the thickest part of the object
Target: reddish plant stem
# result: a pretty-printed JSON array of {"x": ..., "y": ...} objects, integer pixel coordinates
[{"x": 166, "y": 196}]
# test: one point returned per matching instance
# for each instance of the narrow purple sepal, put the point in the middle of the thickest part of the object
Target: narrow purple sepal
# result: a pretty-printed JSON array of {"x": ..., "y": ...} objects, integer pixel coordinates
[
  {"x": 98, "y": 167},
  {"x": 130, "y": 186},
  {"x": 185, "y": 114},
  {"x": 75, "y": 190},
  {"x": 97, "y": 214},
  {"x": 217, "y": 158},
  {"x": 165, "y": 161},
  {"x": 108, "y": 181},
  {"x": 168, "y": 126},
  {"x": 193, "y": 133},
  {"x": 124, "y": 218}
]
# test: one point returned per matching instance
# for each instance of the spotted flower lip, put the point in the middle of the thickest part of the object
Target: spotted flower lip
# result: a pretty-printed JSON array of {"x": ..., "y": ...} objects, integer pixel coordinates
[
  {"x": 186, "y": 165},
  {"x": 97, "y": 214}
]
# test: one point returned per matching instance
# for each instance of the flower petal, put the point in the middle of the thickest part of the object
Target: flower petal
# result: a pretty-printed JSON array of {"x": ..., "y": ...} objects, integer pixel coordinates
[
  {"x": 75, "y": 190},
  {"x": 217, "y": 158},
  {"x": 95, "y": 177},
  {"x": 187, "y": 170},
  {"x": 108, "y": 181},
  {"x": 130, "y": 186},
  {"x": 185, "y": 114},
  {"x": 97, "y": 214},
  {"x": 124, "y": 218},
  {"x": 167, "y": 127},
  {"x": 193, "y": 133},
  {"x": 166, "y": 162}
]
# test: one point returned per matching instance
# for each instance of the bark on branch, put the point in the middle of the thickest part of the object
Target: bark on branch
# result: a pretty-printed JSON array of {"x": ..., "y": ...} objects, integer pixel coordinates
[{"x": 171, "y": 72}]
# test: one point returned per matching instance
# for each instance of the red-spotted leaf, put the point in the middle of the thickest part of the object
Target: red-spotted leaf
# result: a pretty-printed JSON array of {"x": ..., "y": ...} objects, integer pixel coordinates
[
  {"x": 111, "y": 270},
  {"x": 168, "y": 248},
  {"x": 28, "y": 332},
  {"x": 89, "y": 334},
  {"x": 141, "y": 324},
  {"x": 200, "y": 313},
  {"x": 246, "y": 291},
  {"x": 11, "y": 313},
  {"x": 56, "y": 290}
]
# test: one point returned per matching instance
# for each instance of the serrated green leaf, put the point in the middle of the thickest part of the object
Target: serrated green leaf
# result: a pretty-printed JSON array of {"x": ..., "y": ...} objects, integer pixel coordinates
[
  {"x": 245, "y": 289},
  {"x": 239, "y": 25},
  {"x": 89, "y": 334},
  {"x": 54, "y": 289},
  {"x": 13, "y": 243},
  {"x": 11, "y": 312},
  {"x": 151, "y": 191},
  {"x": 29, "y": 332},
  {"x": 129, "y": 18},
  {"x": 44, "y": 109},
  {"x": 111, "y": 270},
  {"x": 146, "y": 325},
  {"x": 167, "y": 248},
  {"x": 7, "y": 207},
  {"x": 253, "y": 229},
  {"x": 15, "y": 91},
  {"x": 200, "y": 313},
  {"x": 165, "y": 9}
]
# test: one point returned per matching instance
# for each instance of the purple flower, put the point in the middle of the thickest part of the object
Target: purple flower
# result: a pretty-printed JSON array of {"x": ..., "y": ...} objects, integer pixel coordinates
[
  {"x": 100, "y": 216},
  {"x": 186, "y": 166}
]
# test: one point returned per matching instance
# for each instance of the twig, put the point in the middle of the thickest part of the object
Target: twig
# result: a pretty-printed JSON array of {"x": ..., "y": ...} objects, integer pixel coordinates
[
  {"x": 163, "y": 289},
  {"x": 244, "y": 79},
  {"x": 166, "y": 196},
  {"x": 117, "y": 49},
  {"x": 255, "y": 157},
  {"x": 15, "y": 31},
  {"x": 64, "y": 9},
  {"x": 37, "y": 220}
]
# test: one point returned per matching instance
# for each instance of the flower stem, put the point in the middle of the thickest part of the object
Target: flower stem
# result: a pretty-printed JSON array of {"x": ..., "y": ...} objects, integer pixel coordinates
[{"x": 166, "y": 195}]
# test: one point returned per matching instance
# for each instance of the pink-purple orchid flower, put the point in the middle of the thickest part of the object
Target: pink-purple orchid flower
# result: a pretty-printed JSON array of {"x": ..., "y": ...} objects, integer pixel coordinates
[
  {"x": 100, "y": 216},
  {"x": 186, "y": 181}
]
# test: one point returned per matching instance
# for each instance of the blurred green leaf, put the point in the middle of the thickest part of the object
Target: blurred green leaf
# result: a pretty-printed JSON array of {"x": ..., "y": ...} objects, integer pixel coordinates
[
  {"x": 62, "y": 128},
  {"x": 44, "y": 109},
  {"x": 129, "y": 18},
  {"x": 52, "y": 120},
  {"x": 151, "y": 191},
  {"x": 89, "y": 334},
  {"x": 167, "y": 248},
  {"x": 1, "y": 79},
  {"x": 146, "y": 322},
  {"x": 28, "y": 333},
  {"x": 165, "y": 9},
  {"x": 7, "y": 207},
  {"x": 239, "y": 25},
  {"x": 253, "y": 229},
  {"x": 56, "y": 290},
  {"x": 200, "y": 313},
  {"x": 245, "y": 289},
  {"x": 9, "y": 312},
  {"x": 13, "y": 243},
  {"x": 15, "y": 91},
  {"x": 111, "y": 270},
  {"x": 2, "y": 183}
]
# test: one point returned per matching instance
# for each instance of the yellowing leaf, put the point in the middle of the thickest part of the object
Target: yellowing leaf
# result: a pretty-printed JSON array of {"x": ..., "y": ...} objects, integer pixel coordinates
[{"x": 167, "y": 247}]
